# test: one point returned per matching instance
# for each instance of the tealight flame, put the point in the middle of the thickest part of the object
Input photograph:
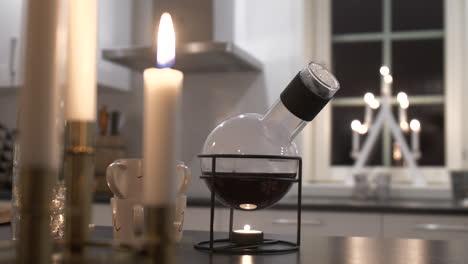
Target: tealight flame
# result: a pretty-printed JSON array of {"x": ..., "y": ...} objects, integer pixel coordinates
[
  {"x": 166, "y": 42},
  {"x": 247, "y": 259},
  {"x": 246, "y": 227}
]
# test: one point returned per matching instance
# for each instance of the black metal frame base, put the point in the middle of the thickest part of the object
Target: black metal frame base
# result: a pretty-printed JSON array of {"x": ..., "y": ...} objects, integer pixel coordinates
[{"x": 268, "y": 246}]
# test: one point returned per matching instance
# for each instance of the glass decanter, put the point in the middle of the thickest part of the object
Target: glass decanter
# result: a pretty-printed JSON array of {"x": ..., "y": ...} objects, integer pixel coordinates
[{"x": 249, "y": 184}]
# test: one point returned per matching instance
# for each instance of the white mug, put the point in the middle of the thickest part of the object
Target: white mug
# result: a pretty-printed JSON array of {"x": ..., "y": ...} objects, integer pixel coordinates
[{"x": 125, "y": 179}]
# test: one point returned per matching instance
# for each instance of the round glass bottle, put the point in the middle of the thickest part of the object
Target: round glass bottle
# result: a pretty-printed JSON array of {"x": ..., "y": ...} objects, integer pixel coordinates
[{"x": 269, "y": 134}]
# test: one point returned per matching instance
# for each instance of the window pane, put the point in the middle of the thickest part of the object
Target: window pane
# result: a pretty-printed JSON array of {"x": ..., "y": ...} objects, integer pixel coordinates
[
  {"x": 351, "y": 16},
  {"x": 418, "y": 66},
  {"x": 342, "y": 137},
  {"x": 417, "y": 14},
  {"x": 356, "y": 65},
  {"x": 432, "y": 133}
]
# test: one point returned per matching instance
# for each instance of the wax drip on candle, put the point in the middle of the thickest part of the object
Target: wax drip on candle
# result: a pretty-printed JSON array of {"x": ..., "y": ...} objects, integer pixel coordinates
[{"x": 166, "y": 43}]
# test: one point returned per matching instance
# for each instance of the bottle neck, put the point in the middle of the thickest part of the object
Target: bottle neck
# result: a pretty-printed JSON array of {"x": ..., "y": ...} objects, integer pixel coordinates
[{"x": 279, "y": 114}]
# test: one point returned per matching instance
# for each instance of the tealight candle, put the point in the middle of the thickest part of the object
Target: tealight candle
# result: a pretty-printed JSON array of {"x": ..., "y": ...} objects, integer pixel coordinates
[{"x": 247, "y": 236}]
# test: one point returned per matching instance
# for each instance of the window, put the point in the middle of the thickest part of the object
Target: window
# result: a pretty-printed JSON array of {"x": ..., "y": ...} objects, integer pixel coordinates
[
  {"x": 423, "y": 44},
  {"x": 409, "y": 40}
]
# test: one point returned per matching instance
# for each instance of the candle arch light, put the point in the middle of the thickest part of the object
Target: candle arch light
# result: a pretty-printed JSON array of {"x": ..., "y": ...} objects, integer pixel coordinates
[{"x": 373, "y": 129}]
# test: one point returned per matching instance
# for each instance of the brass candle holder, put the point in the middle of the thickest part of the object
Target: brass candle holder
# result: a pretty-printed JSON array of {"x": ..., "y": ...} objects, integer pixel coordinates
[
  {"x": 79, "y": 172},
  {"x": 160, "y": 241},
  {"x": 35, "y": 242}
]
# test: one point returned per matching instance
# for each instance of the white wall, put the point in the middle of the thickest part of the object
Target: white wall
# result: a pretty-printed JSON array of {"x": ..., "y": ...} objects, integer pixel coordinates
[
  {"x": 8, "y": 108},
  {"x": 271, "y": 30}
]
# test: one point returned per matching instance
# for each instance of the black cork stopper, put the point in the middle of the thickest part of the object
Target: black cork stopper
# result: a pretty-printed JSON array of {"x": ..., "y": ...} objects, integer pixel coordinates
[{"x": 307, "y": 94}]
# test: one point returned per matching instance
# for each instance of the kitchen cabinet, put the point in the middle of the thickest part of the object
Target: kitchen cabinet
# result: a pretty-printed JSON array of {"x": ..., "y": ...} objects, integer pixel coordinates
[
  {"x": 114, "y": 30},
  {"x": 198, "y": 218},
  {"x": 10, "y": 37},
  {"x": 425, "y": 227}
]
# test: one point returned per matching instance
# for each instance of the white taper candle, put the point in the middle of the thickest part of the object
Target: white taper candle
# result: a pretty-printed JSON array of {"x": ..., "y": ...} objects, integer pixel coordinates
[
  {"x": 161, "y": 96},
  {"x": 40, "y": 96},
  {"x": 415, "y": 126},
  {"x": 81, "y": 92}
]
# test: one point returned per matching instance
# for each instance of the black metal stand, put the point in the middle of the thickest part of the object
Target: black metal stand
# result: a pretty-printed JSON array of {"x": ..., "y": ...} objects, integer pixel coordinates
[{"x": 268, "y": 246}]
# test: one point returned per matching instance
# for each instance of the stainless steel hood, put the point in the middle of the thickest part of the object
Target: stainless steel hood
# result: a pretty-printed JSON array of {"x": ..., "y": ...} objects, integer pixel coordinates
[{"x": 197, "y": 51}]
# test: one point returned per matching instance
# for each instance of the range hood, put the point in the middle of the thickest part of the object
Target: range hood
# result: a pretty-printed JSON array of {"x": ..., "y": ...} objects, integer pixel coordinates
[{"x": 197, "y": 50}]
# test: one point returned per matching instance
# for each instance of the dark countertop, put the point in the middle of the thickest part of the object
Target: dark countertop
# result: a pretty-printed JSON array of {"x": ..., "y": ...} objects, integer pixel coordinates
[
  {"x": 323, "y": 250},
  {"x": 334, "y": 204}
]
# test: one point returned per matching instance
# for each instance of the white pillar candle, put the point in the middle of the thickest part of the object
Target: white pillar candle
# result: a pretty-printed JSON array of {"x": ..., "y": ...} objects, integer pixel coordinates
[
  {"x": 39, "y": 97},
  {"x": 402, "y": 99},
  {"x": 82, "y": 33},
  {"x": 415, "y": 126},
  {"x": 368, "y": 99},
  {"x": 355, "y": 127},
  {"x": 162, "y": 90},
  {"x": 387, "y": 85}
]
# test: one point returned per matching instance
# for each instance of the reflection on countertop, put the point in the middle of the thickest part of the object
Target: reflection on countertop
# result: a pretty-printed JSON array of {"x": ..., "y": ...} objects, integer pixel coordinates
[{"x": 339, "y": 204}]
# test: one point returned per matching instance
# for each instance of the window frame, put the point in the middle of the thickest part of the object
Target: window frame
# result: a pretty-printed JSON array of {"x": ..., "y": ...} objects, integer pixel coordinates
[{"x": 316, "y": 139}]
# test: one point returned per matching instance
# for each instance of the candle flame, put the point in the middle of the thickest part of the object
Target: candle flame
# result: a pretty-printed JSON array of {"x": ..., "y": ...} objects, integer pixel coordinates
[
  {"x": 363, "y": 129},
  {"x": 368, "y": 98},
  {"x": 402, "y": 98},
  {"x": 247, "y": 227},
  {"x": 384, "y": 70},
  {"x": 397, "y": 155},
  {"x": 415, "y": 125},
  {"x": 375, "y": 104},
  {"x": 356, "y": 125},
  {"x": 404, "y": 126},
  {"x": 388, "y": 78},
  {"x": 166, "y": 42}
]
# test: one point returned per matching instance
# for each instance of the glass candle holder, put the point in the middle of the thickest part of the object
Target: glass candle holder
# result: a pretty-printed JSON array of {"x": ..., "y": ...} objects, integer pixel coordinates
[{"x": 57, "y": 203}]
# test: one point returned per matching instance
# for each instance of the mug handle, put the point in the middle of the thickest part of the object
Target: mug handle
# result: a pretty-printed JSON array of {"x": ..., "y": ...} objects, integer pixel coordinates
[
  {"x": 113, "y": 171},
  {"x": 186, "y": 180}
]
